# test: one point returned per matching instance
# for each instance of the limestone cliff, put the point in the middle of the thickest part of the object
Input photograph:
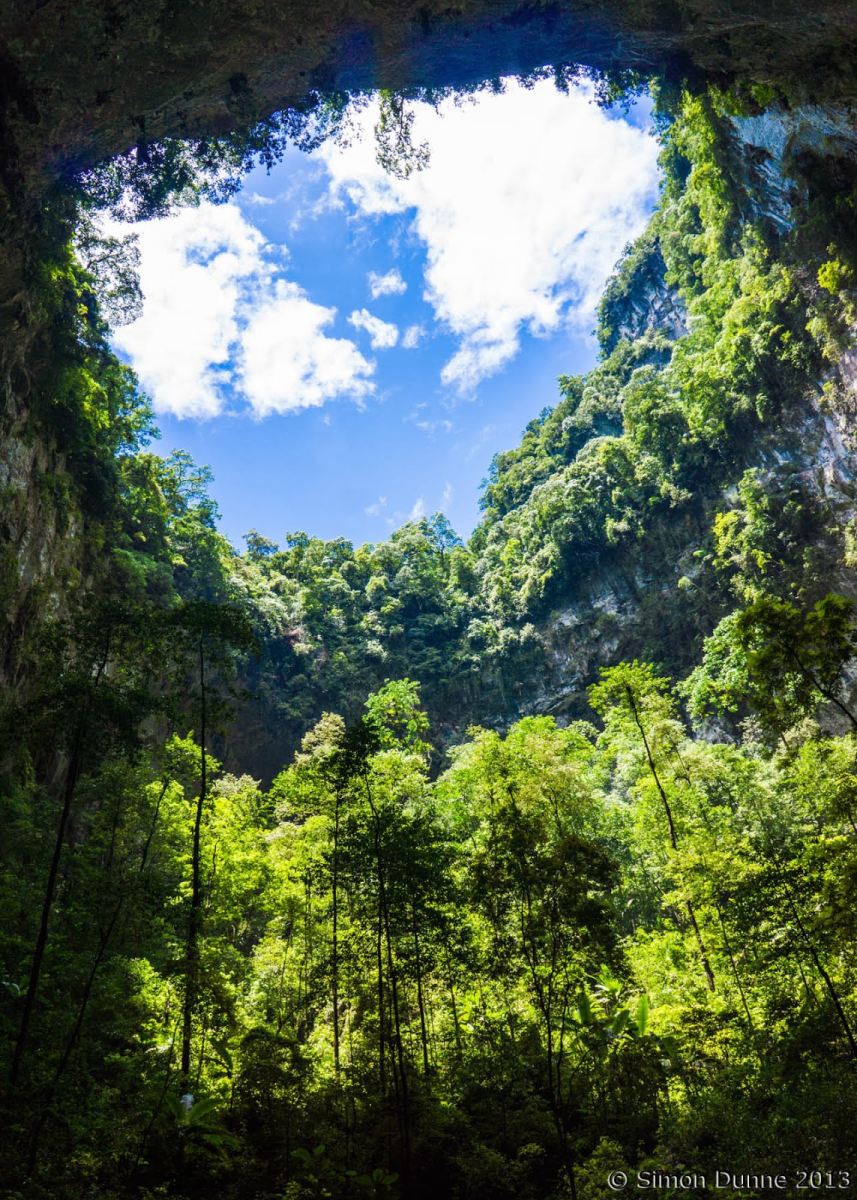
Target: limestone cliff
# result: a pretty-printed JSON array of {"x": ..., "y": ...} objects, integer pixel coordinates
[{"x": 650, "y": 602}]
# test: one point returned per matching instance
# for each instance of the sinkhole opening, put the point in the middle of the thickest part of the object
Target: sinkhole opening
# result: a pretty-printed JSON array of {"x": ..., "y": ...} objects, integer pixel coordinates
[{"x": 347, "y": 344}]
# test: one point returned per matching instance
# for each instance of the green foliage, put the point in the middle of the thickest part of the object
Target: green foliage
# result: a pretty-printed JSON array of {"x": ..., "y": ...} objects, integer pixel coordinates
[
  {"x": 661, "y": 425},
  {"x": 395, "y": 149},
  {"x": 436, "y": 985},
  {"x": 155, "y": 176},
  {"x": 643, "y": 445},
  {"x": 776, "y": 539},
  {"x": 778, "y": 661}
]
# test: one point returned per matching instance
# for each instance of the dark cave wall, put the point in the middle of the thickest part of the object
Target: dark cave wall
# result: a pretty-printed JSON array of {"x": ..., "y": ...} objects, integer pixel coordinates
[{"x": 85, "y": 79}]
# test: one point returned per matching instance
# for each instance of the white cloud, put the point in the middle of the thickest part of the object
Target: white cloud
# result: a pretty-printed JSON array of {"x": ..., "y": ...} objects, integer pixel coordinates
[
  {"x": 382, "y": 334},
  {"x": 434, "y": 426},
  {"x": 418, "y": 510},
  {"x": 525, "y": 206},
  {"x": 220, "y": 320},
  {"x": 390, "y": 284},
  {"x": 193, "y": 269},
  {"x": 376, "y": 508},
  {"x": 448, "y": 493},
  {"x": 287, "y": 362},
  {"x": 412, "y": 337}
]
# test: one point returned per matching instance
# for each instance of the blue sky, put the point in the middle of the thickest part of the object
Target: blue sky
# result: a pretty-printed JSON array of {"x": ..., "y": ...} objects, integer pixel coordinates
[{"x": 346, "y": 350}]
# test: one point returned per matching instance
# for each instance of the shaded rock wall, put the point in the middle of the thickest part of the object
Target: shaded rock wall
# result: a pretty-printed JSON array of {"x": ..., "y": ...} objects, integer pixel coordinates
[
  {"x": 40, "y": 537},
  {"x": 645, "y": 304},
  {"x": 771, "y": 143},
  {"x": 647, "y": 603}
]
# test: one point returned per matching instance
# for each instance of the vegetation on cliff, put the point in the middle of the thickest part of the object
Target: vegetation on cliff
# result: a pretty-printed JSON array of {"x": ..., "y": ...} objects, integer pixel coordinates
[{"x": 506, "y": 969}]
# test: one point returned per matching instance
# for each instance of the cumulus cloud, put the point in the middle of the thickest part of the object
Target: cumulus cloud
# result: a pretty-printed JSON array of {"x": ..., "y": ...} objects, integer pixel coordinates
[
  {"x": 524, "y": 208},
  {"x": 389, "y": 284},
  {"x": 194, "y": 267},
  {"x": 287, "y": 361},
  {"x": 382, "y": 334},
  {"x": 220, "y": 322},
  {"x": 418, "y": 510}
]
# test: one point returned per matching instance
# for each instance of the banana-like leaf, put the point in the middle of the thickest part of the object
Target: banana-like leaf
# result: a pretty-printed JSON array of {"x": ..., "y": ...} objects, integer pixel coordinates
[
  {"x": 642, "y": 1015},
  {"x": 584, "y": 1009}
]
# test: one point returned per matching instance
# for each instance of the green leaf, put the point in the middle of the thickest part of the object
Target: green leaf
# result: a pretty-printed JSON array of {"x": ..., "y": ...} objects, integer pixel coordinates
[
  {"x": 584, "y": 1009},
  {"x": 642, "y": 1015},
  {"x": 620, "y": 1021}
]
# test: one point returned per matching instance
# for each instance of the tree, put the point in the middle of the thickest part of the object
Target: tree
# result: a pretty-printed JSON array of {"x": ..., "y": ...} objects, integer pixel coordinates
[
  {"x": 632, "y": 699},
  {"x": 778, "y": 662},
  {"x": 82, "y": 712}
]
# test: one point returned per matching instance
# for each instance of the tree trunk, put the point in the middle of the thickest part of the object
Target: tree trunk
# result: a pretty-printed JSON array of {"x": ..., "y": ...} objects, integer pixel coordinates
[
  {"x": 100, "y": 954},
  {"x": 195, "y": 917},
  {"x": 826, "y": 692},
  {"x": 828, "y": 982},
  {"x": 400, "y": 1080},
  {"x": 334, "y": 956},
  {"x": 71, "y": 778},
  {"x": 420, "y": 999},
  {"x": 703, "y": 953},
  {"x": 727, "y": 945}
]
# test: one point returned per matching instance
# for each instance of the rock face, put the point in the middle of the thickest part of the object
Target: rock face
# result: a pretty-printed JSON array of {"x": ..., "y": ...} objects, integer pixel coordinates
[
  {"x": 40, "y": 537},
  {"x": 646, "y": 603},
  {"x": 771, "y": 144},
  {"x": 643, "y": 303}
]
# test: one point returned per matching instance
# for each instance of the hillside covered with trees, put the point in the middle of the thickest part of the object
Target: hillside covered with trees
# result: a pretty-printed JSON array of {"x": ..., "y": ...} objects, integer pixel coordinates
[{"x": 435, "y": 868}]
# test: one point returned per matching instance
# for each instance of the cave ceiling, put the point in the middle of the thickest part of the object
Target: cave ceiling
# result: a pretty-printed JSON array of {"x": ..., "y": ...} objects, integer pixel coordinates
[{"x": 81, "y": 80}]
